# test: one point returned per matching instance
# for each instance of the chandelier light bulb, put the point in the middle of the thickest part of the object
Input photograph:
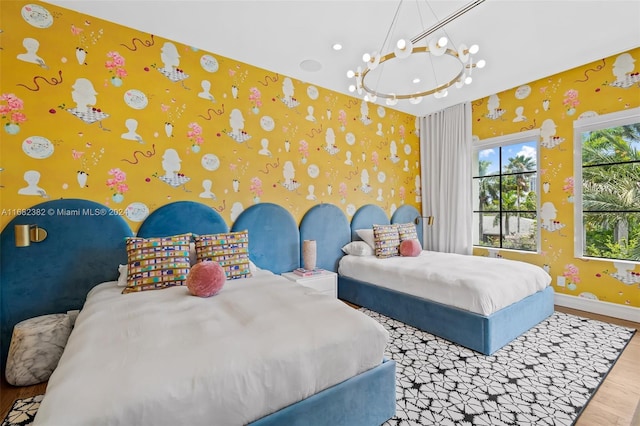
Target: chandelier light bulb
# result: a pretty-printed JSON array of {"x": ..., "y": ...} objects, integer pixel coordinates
[
  {"x": 352, "y": 88},
  {"x": 442, "y": 41},
  {"x": 474, "y": 49},
  {"x": 351, "y": 74},
  {"x": 440, "y": 94},
  {"x": 435, "y": 48},
  {"x": 392, "y": 101},
  {"x": 403, "y": 49},
  {"x": 366, "y": 57},
  {"x": 368, "y": 97},
  {"x": 468, "y": 80},
  {"x": 374, "y": 62},
  {"x": 415, "y": 101},
  {"x": 460, "y": 83},
  {"x": 481, "y": 63}
]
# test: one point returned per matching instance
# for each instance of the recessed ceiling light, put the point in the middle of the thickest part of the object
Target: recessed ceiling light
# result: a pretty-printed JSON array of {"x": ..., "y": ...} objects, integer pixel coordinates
[
  {"x": 337, "y": 46},
  {"x": 310, "y": 65},
  {"x": 416, "y": 80}
]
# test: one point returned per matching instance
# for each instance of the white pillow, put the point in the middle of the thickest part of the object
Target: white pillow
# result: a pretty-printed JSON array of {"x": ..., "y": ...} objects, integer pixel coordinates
[
  {"x": 367, "y": 236},
  {"x": 358, "y": 248},
  {"x": 122, "y": 278}
]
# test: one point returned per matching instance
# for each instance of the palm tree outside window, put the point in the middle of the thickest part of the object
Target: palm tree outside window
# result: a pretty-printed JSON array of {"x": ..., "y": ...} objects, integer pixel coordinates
[
  {"x": 505, "y": 185},
  {"x": 608, "y": 201}
]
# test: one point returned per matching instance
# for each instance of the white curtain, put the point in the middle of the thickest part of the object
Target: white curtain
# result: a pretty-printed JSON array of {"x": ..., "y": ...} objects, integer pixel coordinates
[{"x": 445, "y": 146}]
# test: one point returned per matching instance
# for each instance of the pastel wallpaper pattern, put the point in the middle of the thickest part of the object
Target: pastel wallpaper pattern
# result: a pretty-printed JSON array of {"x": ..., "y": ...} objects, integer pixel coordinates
[
  {"x": 552, "y": 104},
  {"x": 95, "y": 110}
]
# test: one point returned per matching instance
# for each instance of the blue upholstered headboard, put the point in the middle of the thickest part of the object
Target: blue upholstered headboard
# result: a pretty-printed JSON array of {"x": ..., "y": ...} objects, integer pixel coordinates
[
  {"x": 328, "y": 225},
  {"x": 182, "y": 217},
  {"x": 274, "y": 238},
  {"x": 365, "y": 217},
  {"x": 371, "y": 214},
  {"x": 409, "y": 214},
  {"x": 85, "y": 244}
]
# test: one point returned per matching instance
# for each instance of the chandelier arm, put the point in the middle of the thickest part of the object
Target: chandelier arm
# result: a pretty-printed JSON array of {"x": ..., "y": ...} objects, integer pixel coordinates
[{"x": 446, "y": 20}]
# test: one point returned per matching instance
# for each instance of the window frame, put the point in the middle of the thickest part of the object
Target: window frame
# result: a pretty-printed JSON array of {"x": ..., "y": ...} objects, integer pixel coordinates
[
  {"x": 581, "y": 125},
  {"x": 502, "y": 141}
]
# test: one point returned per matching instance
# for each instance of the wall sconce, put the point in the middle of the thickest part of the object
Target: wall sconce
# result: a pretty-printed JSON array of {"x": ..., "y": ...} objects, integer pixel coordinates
[
  {"x": 27, "y": 234},
  {"x": 428, "y": 219}
]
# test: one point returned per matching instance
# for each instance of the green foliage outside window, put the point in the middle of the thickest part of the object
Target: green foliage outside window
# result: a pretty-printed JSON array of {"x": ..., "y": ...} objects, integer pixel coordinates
[{"x": 611, "y": 192}]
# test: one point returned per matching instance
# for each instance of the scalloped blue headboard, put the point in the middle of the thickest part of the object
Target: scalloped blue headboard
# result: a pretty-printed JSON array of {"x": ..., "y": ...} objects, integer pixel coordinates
[
  {"x": 409, "y": 214},
  {"x": 181, "y": 217},
  {"x": 329, "y": 226},
  {"x": 274, "y": 238},
  {"x": 83, "y": 248},
  {"x": 365, "y": 217}
]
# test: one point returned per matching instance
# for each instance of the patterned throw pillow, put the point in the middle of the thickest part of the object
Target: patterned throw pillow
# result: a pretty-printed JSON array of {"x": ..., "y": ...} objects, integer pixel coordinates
[
  {"x": 230, "y": 250},
  {"x": 407, "y": 231},
  {"x": 387, "y": 241},
  {"x": 157, "y": 263}
]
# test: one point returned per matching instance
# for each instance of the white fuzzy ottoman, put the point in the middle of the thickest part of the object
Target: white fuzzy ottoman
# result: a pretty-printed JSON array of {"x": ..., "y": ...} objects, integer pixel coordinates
[{"x": 35, "y": 349}]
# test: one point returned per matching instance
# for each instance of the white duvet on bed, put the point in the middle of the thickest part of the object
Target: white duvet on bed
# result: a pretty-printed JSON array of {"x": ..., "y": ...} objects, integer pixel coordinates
[
  {"x": 478, "y": 284},
  {"x": 164, "y": 357}
]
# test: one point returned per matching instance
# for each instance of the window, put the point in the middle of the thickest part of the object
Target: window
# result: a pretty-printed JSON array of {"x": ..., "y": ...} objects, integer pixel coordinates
[
  {"x": 607, "y": 203},
  {"x": 505, "y": 192}
]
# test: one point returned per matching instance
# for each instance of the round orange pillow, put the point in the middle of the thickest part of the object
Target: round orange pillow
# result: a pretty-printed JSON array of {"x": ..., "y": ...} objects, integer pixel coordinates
[{"x": 205, "y": 279}]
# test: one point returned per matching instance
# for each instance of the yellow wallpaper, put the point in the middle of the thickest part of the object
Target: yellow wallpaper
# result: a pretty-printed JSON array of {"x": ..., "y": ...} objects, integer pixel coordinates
[
  {"x": 551, "y": 105},
  {"x": 98, "y": 111}
]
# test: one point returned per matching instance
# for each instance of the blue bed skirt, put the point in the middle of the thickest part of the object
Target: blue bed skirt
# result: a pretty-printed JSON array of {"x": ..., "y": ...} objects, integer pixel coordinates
[
  {"x": 485, "y": 334},
  {"x": 367, "y": 399}
]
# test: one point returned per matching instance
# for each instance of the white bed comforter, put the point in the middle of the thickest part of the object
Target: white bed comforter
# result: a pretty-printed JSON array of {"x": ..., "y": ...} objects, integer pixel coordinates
[
  {"x": 478, "y": 284},
  {"x": 165, "y": 357}
]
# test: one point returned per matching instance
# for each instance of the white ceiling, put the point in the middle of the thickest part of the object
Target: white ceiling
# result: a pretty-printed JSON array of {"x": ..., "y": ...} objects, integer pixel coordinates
[{"x": 521, "y": 40}]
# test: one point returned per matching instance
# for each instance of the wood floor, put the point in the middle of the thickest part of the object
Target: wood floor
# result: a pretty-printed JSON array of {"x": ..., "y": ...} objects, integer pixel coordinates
[{"x": 614, "y": 404}]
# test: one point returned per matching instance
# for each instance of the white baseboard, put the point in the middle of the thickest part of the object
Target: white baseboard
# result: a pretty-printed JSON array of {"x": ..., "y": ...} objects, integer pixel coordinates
[{"x": 609, "y": 309}]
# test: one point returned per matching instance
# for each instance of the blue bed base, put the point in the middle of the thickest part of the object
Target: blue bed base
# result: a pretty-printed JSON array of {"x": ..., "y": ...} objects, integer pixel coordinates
[
  {"x": 485, "y": 334},
  {"x": 80, "y": 252},
  {"x": 359, "y": 401}
]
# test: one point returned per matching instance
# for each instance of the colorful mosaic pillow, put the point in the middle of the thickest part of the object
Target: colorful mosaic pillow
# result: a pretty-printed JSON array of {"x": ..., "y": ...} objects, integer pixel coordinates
[
  {"x": 157, "y": 263},
  {"x": 230, "y": 250},
  {"x": 386, "y": 240},
  {"x": 407, "y": 231}
]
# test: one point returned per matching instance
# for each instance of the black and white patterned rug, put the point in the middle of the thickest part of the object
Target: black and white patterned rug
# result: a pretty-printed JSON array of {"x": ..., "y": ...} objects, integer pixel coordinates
[{"x": 544, "y": 377}]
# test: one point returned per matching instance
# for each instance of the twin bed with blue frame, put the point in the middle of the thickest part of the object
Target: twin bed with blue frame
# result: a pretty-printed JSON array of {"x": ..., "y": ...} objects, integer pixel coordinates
[
  {"x": 55, "y": 275},
  {"x": 482, "y": 333}
]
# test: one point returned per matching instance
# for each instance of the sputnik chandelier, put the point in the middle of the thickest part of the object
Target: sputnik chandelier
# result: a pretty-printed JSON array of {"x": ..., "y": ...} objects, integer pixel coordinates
[{"x": 447, "y": 65}]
